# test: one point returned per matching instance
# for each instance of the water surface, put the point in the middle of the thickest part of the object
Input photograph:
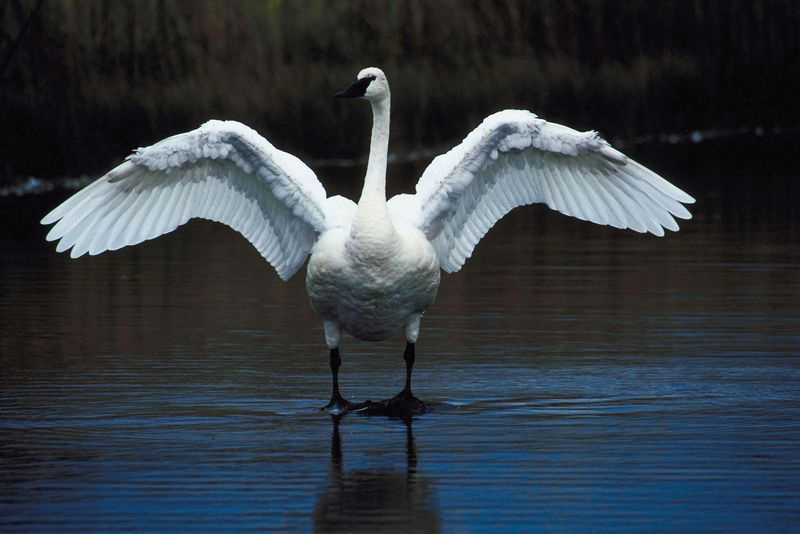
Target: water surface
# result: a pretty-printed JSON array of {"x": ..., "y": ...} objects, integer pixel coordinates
[{"x": 599, "y": 379}]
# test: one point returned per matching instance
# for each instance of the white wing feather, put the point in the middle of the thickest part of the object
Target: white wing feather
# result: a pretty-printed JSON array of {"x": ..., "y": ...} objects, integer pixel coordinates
[
  {"x": 222, "y": 171},
  {"x": 514, "y": 158}
]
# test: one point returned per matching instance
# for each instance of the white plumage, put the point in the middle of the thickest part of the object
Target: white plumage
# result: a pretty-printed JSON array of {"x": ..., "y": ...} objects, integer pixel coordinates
[
  {"x": 223, "y": 171},
  {"x": 375, "y": 266}
]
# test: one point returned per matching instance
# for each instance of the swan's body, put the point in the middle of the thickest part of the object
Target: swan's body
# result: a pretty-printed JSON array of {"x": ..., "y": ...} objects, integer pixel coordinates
[
  {"x": 372, "y": 291},
  {"x": 374, "y": 266}
]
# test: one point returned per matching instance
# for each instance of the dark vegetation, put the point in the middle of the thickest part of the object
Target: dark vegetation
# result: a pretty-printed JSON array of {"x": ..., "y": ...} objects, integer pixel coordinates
[{"x": 84, "y": 81}]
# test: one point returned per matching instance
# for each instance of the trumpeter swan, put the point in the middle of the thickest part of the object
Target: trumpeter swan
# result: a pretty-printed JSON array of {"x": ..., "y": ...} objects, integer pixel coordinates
[{"x": 374, "y": 266}]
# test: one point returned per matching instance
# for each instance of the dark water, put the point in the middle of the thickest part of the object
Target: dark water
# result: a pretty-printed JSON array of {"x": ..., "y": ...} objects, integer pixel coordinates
[{"x": 599, "y": 380}]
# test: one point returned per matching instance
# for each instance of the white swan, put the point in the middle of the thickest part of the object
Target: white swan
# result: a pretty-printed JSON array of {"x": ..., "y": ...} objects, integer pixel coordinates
[{"x": 375, "y": 265}]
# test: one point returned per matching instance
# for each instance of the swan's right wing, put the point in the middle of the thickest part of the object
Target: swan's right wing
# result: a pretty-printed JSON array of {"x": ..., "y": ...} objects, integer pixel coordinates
[
  {"x": 515, "y": 158},
  {"x": 222, "y": 171}
]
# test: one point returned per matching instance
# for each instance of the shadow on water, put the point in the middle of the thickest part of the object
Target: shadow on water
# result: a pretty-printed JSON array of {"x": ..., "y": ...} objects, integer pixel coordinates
[{"x": 367, "y": 500}]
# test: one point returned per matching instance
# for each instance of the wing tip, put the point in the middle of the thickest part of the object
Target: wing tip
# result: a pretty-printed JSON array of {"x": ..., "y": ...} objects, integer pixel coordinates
[
  {"x": 50, "y": 218},
  {"x": 52, "y": 235}
]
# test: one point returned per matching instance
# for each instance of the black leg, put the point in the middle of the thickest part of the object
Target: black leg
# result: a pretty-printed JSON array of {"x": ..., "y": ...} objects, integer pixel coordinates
[
  {"x": 336, "y": 362},
  {"x": 405, "y": 404},
  {"x": 409, "y": 357},
  {"x": 338, "y": 404}
]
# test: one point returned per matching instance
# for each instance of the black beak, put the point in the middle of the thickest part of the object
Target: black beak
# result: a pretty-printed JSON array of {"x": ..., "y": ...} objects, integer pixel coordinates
[{"x": 355, "y": 89}]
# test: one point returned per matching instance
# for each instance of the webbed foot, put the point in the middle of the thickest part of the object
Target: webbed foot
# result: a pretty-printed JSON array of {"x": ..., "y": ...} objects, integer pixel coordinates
[
  {"x": 404, "y": 405},
  {"x": 340, "y": 406}
]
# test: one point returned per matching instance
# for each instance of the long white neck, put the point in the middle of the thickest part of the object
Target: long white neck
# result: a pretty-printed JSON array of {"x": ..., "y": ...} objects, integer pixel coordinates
[
  {"x": 373, "y": 236},
  {"x": 375, "y": 181}
]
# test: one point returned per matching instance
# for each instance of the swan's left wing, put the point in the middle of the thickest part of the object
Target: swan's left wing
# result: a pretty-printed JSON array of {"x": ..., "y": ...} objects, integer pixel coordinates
[
  {"x": 514, "y": 158},
  {"x": 222, "y": 171}
]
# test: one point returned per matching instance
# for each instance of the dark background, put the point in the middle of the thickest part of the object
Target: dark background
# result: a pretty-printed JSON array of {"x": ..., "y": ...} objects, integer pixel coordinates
[{"x": 84, "y": 82}]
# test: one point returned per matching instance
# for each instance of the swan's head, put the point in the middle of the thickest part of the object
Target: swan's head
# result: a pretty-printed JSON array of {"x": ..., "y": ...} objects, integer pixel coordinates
[{"x": 370, "y": 83}]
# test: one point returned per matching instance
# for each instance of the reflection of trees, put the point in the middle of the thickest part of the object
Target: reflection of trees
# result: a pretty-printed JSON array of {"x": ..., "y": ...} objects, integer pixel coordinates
[{"x": 375, "y": 500}]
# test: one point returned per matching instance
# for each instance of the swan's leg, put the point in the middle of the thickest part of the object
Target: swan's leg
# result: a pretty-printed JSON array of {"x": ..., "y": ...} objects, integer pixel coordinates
[
  {"x": 412, "y": 332},
  {"x": 409, "y": 357},
  {"x": 405, "y": 404},
  {"x": 338, "y": 404}
]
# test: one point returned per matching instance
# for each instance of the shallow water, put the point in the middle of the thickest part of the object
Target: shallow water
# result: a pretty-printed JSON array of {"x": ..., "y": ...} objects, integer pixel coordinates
[{"x": 596, "y": 379}]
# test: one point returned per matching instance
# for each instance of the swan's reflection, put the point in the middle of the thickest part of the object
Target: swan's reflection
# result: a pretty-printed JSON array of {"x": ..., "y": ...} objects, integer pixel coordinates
[{"x": 375, "y": 500}]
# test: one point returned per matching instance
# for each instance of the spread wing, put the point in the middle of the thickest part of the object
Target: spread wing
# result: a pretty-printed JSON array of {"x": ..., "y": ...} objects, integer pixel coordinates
[
  {"x": 222, "y": 171},
  {"x": 514, "y": 158}
]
